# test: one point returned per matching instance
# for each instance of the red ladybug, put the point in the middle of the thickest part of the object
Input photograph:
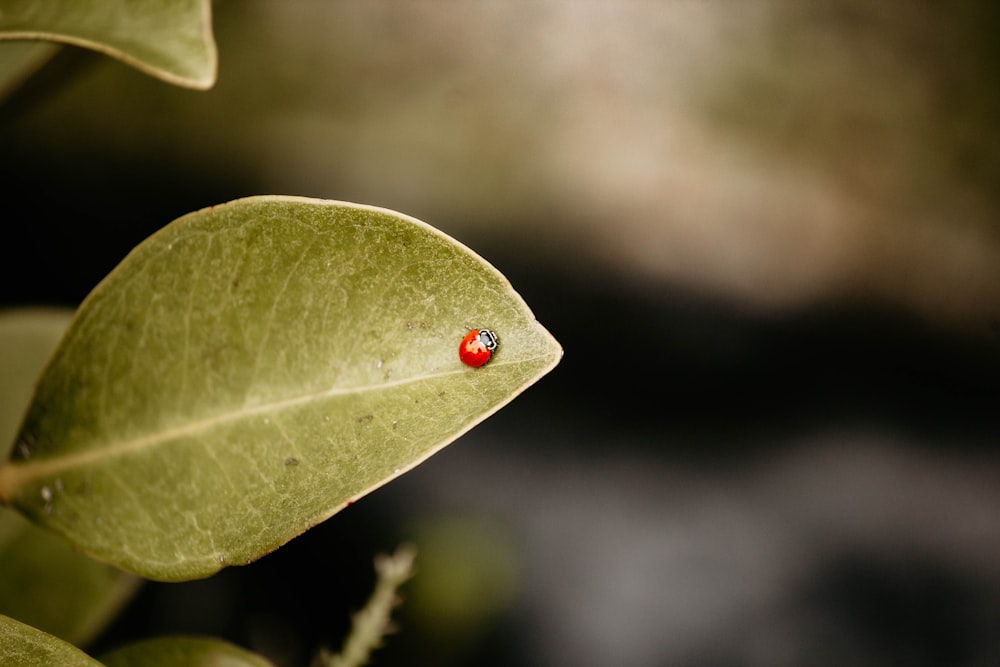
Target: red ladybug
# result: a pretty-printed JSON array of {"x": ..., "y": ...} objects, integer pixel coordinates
[{"x": 477, "y": 347}]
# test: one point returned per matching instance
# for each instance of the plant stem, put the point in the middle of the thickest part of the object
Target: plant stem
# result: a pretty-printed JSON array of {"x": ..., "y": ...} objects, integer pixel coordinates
[{"x": 374, "y": 620}]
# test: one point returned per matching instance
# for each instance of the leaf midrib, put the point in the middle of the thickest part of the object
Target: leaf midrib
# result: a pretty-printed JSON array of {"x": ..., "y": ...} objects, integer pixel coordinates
[{"x": 14, "y": 475}]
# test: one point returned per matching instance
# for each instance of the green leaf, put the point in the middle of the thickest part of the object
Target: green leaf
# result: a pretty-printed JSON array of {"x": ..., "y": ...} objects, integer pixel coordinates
[
  {"x": 186, "y": 651},
  {"x": 24, "y": 646},
  {"x": 250, "y": 370},
  {"x": 169, "y": 39},
  {"x": 19, "y": 60},
  {"x": 43, "y": 582},
  {"x": 28, "y": 336},
  {"x": 49, "y": 585}
]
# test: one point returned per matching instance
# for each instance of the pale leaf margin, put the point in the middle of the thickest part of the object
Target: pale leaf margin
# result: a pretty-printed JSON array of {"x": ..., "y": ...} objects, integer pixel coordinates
[
  {"x": 13, "y": 477},
  {"x": 188, "y": 60}
]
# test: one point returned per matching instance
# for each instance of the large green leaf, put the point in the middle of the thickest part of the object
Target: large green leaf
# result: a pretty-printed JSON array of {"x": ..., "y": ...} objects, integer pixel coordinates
[
  {"x": 44, "y": 582},
  {"x": 24, "y": 646},
  {"x": 47, "y": 584},
  {"x": 169, "y": 39},
  {"x": 28, "y": 336},
  {"x": 19, "y": 61},
  {"x": 183, "y": 652},
  {"x": 250, "y": 370}
]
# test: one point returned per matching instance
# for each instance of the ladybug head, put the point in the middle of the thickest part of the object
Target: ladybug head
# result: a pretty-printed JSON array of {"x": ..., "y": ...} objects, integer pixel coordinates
[{"x": 488, "y": 338}]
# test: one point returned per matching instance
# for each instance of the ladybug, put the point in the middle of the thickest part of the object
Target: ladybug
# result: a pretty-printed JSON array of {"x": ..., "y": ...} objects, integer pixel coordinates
[{"x": 477, "y": 347}]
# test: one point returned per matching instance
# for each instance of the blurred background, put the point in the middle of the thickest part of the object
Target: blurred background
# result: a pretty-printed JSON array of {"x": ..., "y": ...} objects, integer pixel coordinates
[{"x": 767, "y": 235}]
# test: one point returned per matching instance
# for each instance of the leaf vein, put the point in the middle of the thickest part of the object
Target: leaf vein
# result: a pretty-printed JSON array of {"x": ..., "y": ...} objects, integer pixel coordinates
[{"x": 22, "y": 473}]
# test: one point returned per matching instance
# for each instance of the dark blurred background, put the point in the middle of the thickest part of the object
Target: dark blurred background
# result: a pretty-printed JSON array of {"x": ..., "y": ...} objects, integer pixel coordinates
[{"x": 765, "y": 233}]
